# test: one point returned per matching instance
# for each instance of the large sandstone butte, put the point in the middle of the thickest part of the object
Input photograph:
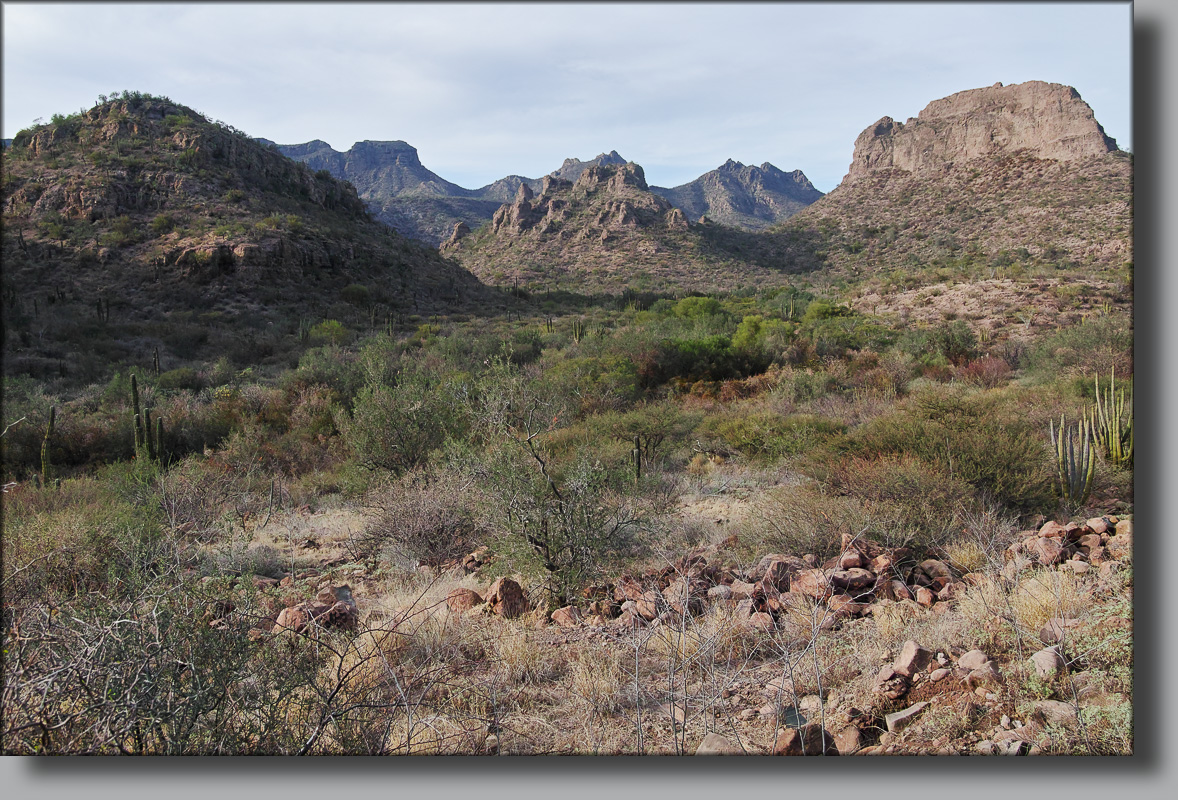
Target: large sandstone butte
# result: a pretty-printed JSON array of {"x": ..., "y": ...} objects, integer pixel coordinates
[{"x": 1047, "y": 119}]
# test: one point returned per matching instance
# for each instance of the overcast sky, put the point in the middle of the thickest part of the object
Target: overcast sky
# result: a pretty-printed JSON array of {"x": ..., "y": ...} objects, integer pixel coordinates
[{"x": 486, "y": 90}]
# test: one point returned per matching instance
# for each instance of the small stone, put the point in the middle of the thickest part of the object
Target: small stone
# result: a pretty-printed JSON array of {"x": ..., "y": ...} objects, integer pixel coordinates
[
  {"x": 716, "y": 745},
  {"x": 925, "y": 596},
  {"x": 939, "y": 674},
  {"x": 972, "y": 660},
  {"x": 983, "y": 676},
  {"x": 1056, "y": 629},
  {"x": 1054, "y": 712},
  {"x": 899, "y": 720}
]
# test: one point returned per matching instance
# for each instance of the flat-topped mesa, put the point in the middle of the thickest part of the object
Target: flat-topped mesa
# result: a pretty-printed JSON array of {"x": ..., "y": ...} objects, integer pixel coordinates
[{"x": 1049, "y": 120}]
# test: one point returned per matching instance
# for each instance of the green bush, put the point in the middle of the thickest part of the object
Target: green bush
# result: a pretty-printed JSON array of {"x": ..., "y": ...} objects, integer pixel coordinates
[
  {"x": 180, "y": 378},
  {"x": 1099, "y": 346},
  {"x": 978, "y": 438},
  {"x": 329, "y": 331},
  {"x": 768, "y": 435},
  {"x": 397, "y": 427}
]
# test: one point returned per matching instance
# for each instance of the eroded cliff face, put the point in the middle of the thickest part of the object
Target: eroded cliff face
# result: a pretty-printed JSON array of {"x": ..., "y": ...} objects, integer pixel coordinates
[{"x": 1047, "y": 120}]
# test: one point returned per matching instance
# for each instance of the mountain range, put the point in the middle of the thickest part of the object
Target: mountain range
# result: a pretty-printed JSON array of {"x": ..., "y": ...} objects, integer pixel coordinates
[
  {"x": 415, "y": 201},
  {"x": 144, "y": 211}
]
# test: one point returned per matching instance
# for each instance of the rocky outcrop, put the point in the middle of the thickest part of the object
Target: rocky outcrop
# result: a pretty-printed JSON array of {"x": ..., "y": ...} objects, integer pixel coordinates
[
  {"x": 748, "y": 197},
  {"x": 1048, "y": 120}
]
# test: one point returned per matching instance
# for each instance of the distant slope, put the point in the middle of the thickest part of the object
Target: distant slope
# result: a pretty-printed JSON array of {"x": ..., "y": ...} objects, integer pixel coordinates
[{"x": 748, "y": 197}]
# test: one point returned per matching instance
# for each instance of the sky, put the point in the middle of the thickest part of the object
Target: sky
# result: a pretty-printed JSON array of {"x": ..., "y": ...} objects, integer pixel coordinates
[{"x": 485, "y": 90}]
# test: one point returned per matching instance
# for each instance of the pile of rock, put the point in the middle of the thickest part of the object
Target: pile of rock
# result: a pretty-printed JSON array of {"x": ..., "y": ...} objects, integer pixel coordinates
[
  {"x": 1100, "y": 542},
  {"x": 334, "y": 607}
]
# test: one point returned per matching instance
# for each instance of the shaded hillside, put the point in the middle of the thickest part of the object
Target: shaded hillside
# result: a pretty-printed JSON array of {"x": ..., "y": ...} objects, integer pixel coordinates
[
  {"x": 996, "y": 180},
  {"x": 140, "y": 209},
  {"x": 748, "y": 197},
  {"x": 609, "y": 232}
]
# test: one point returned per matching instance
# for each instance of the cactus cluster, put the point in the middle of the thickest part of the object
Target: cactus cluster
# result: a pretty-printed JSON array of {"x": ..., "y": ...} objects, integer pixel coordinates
[
  {"x": 1112, "y": 423},
  {"x": 1075, "y": 461},
  {"x": 149, "y": 439}
]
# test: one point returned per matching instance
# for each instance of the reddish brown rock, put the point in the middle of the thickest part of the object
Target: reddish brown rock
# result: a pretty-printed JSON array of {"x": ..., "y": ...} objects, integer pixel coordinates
[
  {"x": 912, "y": 659},
  {"x": 890, "y": 683},
  {"x": 852, "y": 581},
  {"x": 972, "y": 660},
  {"x": 812, "y": 582},
  {"x": 810, "y": 740},
  {"x": 761, "y": 621},
  {"x": 567, "y": 617},
  {"x": 844, "y": 606},
  {"x": 506, "y": 598},
  {"x": 1052, "y": 530},
  {"x": 925, "y": 596},
  {"x": 462, "y": 600},
  {"x": 1047, "y": 551},
  {"x": 649, "y": 604}
]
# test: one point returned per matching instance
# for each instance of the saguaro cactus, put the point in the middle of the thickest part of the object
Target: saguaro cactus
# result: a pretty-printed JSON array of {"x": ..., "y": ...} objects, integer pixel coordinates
[{"x": 46, "y": 466}]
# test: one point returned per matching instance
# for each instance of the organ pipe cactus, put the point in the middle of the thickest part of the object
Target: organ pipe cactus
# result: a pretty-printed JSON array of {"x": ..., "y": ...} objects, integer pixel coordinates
[
  {"x": 1112, "y": 423},
  {"x": 1075, "y": 463}
]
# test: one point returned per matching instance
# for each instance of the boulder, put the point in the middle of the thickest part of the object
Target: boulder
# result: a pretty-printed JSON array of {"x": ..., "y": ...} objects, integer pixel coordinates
[
  {"x": 1053, "y": 530},
  {"x": 812, "y": 582},
  {"x": 972, "y": 660},
  {"x": 567, "y": 617},
  {"x": 1099, "y": 525},
  {"x": 1048, "y": 662},
  {"x": 809, "y": 740},
  {"x": 852, "y": 581},
  {"x": 936, "y": 569},
  {"x": 925, "y": 596},
  {"x": 848, "y": 740},
  {"x": 716, "y": 745},
  {"x": 912, "y": 659},
  {"x": 1047, "y": 551},
  {"x": 462, "y": 600},
  {"x": 506, "y": 598}
]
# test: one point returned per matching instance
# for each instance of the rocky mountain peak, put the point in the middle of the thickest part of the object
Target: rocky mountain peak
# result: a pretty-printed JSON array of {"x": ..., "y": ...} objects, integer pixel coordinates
[
  {"x": 397, "y": 152},
  {"x": 572, "y": 168},
  {"x": 1048, "y": 120}
]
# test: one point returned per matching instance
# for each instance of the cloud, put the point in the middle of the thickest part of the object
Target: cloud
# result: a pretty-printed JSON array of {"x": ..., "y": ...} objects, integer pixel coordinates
[{"x": 483, "y": 90}]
